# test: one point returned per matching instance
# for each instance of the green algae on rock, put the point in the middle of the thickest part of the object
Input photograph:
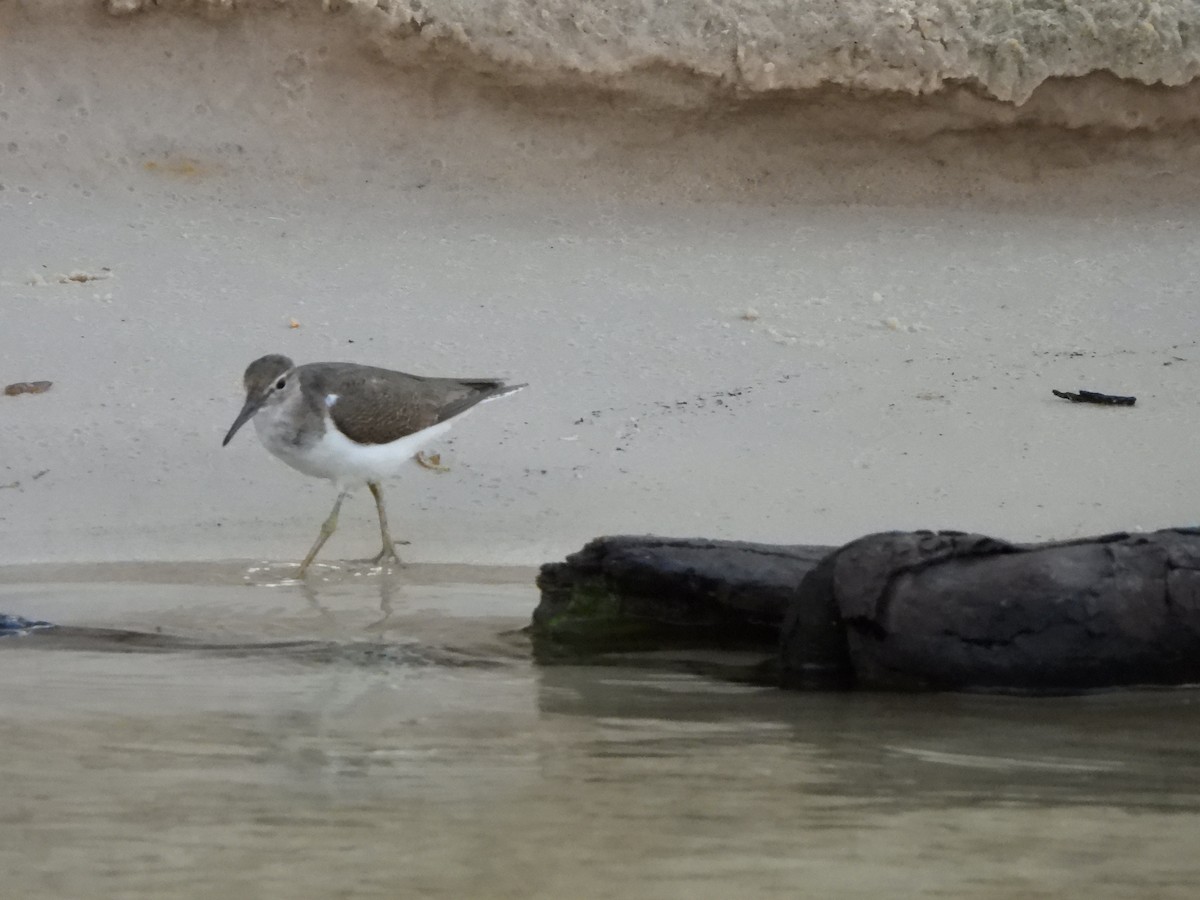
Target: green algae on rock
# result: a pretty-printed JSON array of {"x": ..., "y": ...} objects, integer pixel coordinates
[{"x": 647, "y": 593}]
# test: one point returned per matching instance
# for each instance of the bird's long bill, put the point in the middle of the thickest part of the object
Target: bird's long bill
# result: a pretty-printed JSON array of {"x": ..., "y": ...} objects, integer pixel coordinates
[{"x": 247, "y": 413}]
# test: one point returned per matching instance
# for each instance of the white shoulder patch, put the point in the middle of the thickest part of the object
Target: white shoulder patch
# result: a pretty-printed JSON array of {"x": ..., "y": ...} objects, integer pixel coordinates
[{"x": 330, "y": 399}]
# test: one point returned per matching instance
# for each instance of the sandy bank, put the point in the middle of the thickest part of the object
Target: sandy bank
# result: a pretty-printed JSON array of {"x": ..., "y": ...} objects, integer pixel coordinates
[{"x": 744, "y": 313}]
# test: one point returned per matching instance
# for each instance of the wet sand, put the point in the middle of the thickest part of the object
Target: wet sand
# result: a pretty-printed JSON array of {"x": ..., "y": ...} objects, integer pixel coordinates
[{"x": 389, "y": 737}]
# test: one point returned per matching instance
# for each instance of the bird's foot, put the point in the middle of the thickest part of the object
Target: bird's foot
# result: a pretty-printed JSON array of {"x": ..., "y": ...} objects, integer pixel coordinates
[
  {"x": 433, "y": 462},
  {"x": 387, "y": 556}
]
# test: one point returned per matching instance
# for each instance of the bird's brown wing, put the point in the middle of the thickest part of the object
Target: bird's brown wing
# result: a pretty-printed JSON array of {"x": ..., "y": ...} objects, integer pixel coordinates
[{"x": 378, "y": 406}]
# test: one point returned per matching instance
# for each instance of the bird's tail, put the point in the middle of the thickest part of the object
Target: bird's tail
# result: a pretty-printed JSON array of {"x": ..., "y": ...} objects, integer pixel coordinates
[{"x": 503, "y": 390}]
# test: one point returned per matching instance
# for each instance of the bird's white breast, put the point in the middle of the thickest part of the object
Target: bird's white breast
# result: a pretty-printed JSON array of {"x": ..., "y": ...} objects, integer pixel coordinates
[{"x": 334, "y": 456}]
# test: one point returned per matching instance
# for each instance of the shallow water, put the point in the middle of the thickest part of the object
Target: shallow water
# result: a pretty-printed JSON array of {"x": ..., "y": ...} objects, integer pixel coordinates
[{"x": 387, "y": 736}]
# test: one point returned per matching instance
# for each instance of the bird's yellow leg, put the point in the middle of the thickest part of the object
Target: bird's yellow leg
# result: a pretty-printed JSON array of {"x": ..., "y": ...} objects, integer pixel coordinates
[
  {"x": 388, "y": 553},
  {"x": 327, "y": 528}
]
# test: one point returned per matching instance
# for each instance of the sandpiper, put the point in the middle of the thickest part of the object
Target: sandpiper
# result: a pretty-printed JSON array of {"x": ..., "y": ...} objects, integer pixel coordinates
[{"x": 352, "y": 424}]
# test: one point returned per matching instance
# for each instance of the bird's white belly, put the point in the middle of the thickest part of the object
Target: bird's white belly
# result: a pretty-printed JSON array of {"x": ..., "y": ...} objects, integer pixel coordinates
[{"x": 341, "y": 460}]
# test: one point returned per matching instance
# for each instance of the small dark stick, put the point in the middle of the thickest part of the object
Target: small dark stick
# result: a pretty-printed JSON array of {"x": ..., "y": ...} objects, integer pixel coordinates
[{"x": 1093, "y": 397}]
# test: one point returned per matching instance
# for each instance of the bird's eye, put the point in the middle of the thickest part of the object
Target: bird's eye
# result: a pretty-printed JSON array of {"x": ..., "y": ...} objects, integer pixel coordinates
[{"x": 279, "y": 385}]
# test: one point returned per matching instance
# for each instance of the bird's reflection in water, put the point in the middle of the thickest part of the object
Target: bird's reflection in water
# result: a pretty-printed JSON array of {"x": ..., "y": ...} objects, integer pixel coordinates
[
  {"x": 390, "y": 585},
  {"x": 416, "y": 620}
]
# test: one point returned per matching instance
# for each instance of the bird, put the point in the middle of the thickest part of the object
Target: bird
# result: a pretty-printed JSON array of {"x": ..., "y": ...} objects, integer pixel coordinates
[{"x": 352, "y": 424}]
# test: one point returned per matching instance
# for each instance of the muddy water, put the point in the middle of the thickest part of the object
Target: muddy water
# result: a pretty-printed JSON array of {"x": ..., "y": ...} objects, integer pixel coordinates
[{"x": 388, "y": 737}]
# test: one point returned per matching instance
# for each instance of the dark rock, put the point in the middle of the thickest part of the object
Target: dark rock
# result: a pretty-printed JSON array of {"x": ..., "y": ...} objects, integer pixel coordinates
[
  {"x": 813, "y": 652},
  {"x": 650, "y": 593},
  {"x": 925, "y": 610}
]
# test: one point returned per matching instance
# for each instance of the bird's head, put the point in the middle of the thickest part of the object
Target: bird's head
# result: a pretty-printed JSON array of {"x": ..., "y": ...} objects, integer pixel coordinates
[{"x": 268, "y": 380}]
